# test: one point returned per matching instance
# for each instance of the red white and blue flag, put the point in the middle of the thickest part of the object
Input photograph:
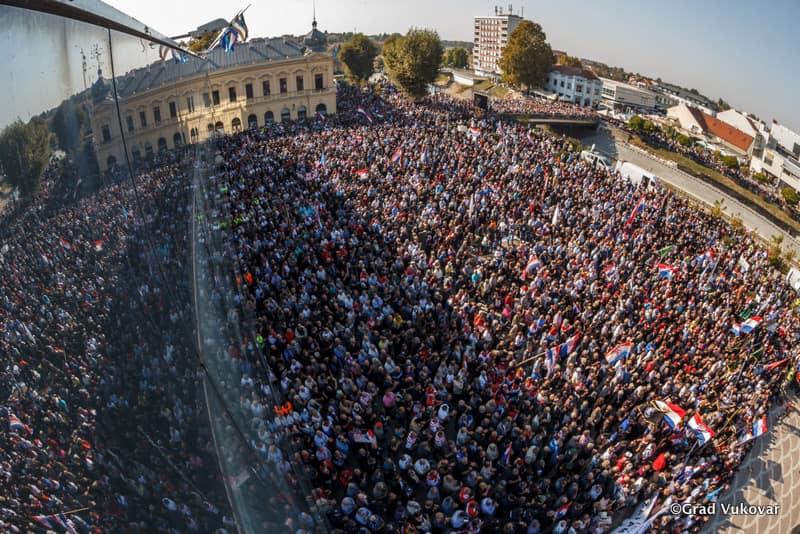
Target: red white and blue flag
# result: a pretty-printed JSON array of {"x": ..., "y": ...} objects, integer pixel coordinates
[
  {"x": 362, "y": 172},
  {"x": 506, "y": 458},
  {"x": 15, "y": 425},
  {"x": 620, "y": 352},
  {"x": 609, "y": 270},
  {"x": 760, "y": 426},
  {"x": 533, "y": 265},
  {"x": 666, "y": 271},
  {"x": 64, "y": 243},
  {"x": 364, "y": 112},
  {"x": 636, "y": 209},
  {"x": 700, "y": 429},
  {"x": 397, "y": 156},
  {"x": 672, "y": 413},
  {"x": 474, "y": 131},
  {"x": 707, "y": 255},
  {"x": 551, "y": 358},
  {"x": 750, "y": 324},
  {"x": 561, "y": 511},
  {"x": 98, "y": 245},
  {"x": 566, "y": 348}
]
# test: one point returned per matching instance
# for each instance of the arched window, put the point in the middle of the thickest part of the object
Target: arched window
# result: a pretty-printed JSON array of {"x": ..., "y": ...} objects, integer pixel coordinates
[
  {"x": 193, "y": 135},
  {"x": 162, "y": 144},
  {"x": 177, "y": 139},
  {"x": 252, "y": 121},
  {"x": 111, "y": 161},
  {"x": 210, "y": 127},
  {"x": 286, "y": 115},
  {"x": 148, "y": 150},
  {"x": 219, "y": 127},
  {"x": 136, "y": 154},
  {"x": 268, "y": 117},
  {"x": 301, "y": 113},
  {"x": 236, "y": 125},
  {"x": 322, "y": 108}
]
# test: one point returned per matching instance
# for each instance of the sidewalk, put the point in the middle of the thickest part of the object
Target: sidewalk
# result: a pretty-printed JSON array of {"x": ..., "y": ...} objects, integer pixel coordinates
[{"x": 770, "y": 474}]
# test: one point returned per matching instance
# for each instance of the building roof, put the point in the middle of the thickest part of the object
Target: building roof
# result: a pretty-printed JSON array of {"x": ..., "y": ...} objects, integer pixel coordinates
[
  {"x": 684, "y": 93},
  {"x": 723, "y": 130},
  {"x": 575, "y": 71},
  {"x": 164, "y": 72},
  {"x": 315, "y": 39}
]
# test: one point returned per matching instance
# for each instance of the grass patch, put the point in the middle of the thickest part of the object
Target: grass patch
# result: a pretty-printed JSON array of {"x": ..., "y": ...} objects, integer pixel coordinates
[
  {"x": 443, "y": 77},
  {"x": 723, "y": 181},
  {"x": 499, "y": 92}
]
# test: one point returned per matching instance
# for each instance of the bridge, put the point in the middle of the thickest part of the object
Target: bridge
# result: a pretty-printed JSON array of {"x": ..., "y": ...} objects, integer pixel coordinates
[{"x": 554, "y": 120}]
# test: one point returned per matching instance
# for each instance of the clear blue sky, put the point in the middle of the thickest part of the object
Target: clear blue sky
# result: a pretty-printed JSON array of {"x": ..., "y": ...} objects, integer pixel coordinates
[{"x": 745, "y": 52}]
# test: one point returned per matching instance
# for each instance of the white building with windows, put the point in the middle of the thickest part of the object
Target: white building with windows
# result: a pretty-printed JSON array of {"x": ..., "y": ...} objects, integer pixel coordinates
[
  {"x": 574, "y": 84},
  {"x": 624, "y": 96},
  {"x": 166, "y": 105},
  {"x": 780, "y": 157},
  {"x": 490, "y": 37}
]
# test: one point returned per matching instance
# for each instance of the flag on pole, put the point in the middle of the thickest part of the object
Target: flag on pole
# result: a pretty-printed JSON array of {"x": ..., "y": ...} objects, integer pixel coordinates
[
  {"x": 397, "y": 156},
  {"x": 750, "y": 324},
  {"x": 566, "y": 348},
  {"x": 240, "y": 26},
  {"x": 700, "y": 429},
  {"x": 665, "y": 271},
  {"x": 760, "y": 426},
  {"x": 672, "y": 413},
  {"x": 636, "y": 209},
  {"x": 364, "y": 112},
  {"x": 15, "y": 425},
  {"x": 64, "y": 243},
  {"x": 474, "y": 132},
  {"x": 666, "y": 250},
  {"x": 555, "y": 216},
  {"x": 561, "y": 511},
  {"x": 98, "y": 245},
  {"x": 362, "y": 172},
  {"x": 620, "y": 352},
  {"x": 506, "y": 458},
  {"x": 533, "y": 265},
  {"x": 774, "y": 365},
  {"x": 609, "y": 270}
]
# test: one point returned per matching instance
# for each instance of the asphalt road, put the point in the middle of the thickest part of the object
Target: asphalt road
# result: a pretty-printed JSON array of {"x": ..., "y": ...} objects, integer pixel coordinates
[{"x": 694, "y": 187}]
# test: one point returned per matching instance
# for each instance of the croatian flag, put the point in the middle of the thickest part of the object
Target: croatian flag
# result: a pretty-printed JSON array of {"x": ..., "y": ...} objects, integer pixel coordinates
[
  {"x": 362, "y": 172},
  {"x": 561, "y": 512},
  {"x": 750, "y": 325},
  {"x": 44, "y": 520},
  {"x": 474, "y": 132},
  {"x": 609, "y": 270},
  {"x": 364, "y": 112},
  {"x": 760, "y": 427},
  {"x": 636, "y": 209},
  {"x": 98, "y": 245},
  {"x": 64, "y": 243},
  {"x": 619, "y": 352},
  {"x": 551, "y": 358},
  {"x": 397, "y": 155},
  {"x": 700, "y": 429},
  {"x": 665, "y": 271},
  {"x": 506, "y": 458},
  {"x": 672, "y": 413},
  {"x": 533, "y": 265},
  {"x": 707, "y": 255},
  {"x": 15, "y": 425},
  {"x": 566, "y": 348},
  {"x": 425, "y": 158}
]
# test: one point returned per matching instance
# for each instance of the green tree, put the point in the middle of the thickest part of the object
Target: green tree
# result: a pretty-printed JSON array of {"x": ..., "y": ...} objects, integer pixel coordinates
[
  {"x": 722, "y": 105},
  {"x": 730, "y": 161},
  {"x": 358, "y": 57},
  {"x": 413, "y": 60},
  {"x": 527, "y": 58},
  {"x": 456, "y": 58},
  {"x": 684, "y": 140},
  {"x": 790, "y": 196},
  {"x": 69, "y": 126},
  {"x": 570, "y": 61},
  {"x": 636, "y": 123},
  {"x": 201, "y": 43},
  {"x": 24, "y": 153},
  {"x": 650, "y": 126}
]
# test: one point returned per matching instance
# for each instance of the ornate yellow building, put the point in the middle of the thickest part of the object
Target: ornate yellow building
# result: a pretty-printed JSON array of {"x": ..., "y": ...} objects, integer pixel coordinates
[{"x": 166, "y": 104}]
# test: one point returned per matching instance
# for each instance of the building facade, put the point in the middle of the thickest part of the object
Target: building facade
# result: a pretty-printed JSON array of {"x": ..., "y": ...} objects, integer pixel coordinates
[
  {"x": 574, "y": 84},
  {"x": 490, "y": 37},
  {"x": 166, "y": 105},
  {"x": 623, "y": 96},
  {"x": 780, "y": 157},
  {"x": 669, "y": 95}
]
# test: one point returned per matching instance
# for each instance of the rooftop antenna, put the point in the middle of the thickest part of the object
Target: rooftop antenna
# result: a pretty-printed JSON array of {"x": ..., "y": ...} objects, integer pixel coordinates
[
  {"x": 83, "y": 66},
  {"x": 97, "y": 53},
  {"x": 510, "y": 11},
  {"x": 314, "y": 7}
]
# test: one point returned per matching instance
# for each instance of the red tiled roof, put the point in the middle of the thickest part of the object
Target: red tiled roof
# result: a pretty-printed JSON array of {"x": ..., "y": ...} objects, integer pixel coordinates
[
  {"x": 575, "y": 71},
  {"x": 723, "y": 130}
]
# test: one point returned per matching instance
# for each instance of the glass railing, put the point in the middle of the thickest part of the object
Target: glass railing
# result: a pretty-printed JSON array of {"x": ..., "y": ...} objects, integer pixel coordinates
[{"x": 122, "y": 406}]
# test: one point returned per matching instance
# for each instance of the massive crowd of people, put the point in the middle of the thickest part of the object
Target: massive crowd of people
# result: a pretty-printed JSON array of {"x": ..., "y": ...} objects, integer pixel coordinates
[
  {"x": 103, "y": 426},
  {"x": 458, "y": 326},
  {"x": 470, "y": 327},
  {"x": 535, "y": 106}
]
